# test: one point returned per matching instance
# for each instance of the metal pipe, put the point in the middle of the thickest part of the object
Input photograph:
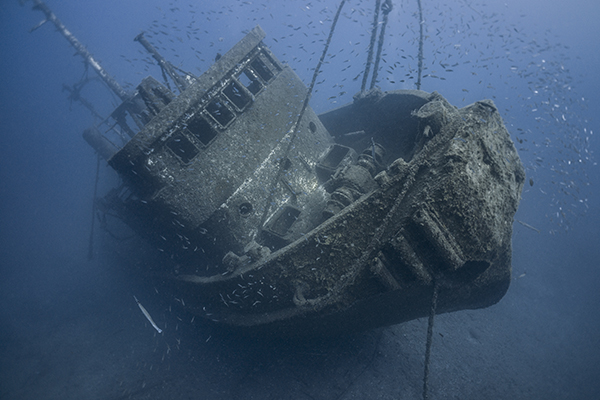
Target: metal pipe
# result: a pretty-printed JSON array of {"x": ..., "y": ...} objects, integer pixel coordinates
[{"x": 80, "y": 49}]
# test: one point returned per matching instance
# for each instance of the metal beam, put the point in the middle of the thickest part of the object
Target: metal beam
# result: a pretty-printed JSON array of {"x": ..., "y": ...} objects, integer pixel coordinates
[{"x": 80, "y": 49}]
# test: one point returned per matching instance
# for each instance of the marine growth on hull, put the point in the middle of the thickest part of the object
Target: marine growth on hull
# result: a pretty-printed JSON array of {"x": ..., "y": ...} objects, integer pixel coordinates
[{"x": 278, "y": 220}]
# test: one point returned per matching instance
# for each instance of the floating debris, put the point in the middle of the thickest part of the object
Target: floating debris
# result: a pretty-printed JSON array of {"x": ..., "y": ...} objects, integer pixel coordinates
[{"x": 147, "y": 315}]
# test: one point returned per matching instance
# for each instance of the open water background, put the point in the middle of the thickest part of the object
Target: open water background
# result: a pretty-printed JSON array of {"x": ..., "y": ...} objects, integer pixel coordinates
[{"x": 69, "y": 328}]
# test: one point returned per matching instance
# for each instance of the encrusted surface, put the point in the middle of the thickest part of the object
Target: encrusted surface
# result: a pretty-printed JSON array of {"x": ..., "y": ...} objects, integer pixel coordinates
[{"x": 444, "y": 216}]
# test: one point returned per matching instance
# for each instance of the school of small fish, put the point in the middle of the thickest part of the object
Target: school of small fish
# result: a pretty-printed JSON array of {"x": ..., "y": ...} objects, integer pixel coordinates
[{"x": 525, "y": 72}]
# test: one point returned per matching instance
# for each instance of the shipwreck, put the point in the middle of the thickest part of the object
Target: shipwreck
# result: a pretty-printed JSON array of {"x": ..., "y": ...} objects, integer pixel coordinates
[{"x": 279, "y": 220}]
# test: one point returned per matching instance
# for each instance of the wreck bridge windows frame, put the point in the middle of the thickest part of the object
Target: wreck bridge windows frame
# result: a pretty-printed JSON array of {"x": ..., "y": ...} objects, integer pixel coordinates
[
  {"x": 201, "y": 129},
  {"x": 259, "y": 71},
  {"x": 219, "y": 108},
  {"x": 221, "y": 111},
  {"x": 236, "y": 94},
  {"x": 182, "y": 147}
]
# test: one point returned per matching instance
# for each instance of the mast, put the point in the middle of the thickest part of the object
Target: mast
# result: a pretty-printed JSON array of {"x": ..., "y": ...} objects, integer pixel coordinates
[{"x": 79, "y": 48}]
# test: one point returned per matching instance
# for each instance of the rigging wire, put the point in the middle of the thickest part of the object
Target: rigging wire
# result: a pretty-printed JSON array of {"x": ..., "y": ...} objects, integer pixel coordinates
[
  {"x": 429, "y": 339},
  {"x": 371, "y": 46},
  {"x": 420, "y": 57},
  {"x": 301, "y": 113},
  {"x": 386, "y": 8}
]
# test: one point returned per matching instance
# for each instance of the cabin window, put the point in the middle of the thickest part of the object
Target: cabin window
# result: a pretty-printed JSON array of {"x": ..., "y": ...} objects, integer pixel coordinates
[
  {"x": 237, "y": 95},
  {"x": 250, "y": 81},
  {"x": 261, "y": 69},
  {"x": 201, "y": 129},
  {"x": 182, "y": 148},
  {"x": 218, "y": 109}
]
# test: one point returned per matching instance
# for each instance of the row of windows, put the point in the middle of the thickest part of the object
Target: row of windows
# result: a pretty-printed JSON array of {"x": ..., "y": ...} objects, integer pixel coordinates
[{"x": 217, "y": 115}]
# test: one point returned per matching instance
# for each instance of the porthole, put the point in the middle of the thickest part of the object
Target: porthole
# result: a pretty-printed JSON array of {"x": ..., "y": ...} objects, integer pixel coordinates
[{"x": 245, "y": 209}]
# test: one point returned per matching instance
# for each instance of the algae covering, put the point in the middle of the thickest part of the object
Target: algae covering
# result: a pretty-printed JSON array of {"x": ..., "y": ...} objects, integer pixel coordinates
[
  {"x": 277, "y": 220},
  {"x": 443, "y": 214}
]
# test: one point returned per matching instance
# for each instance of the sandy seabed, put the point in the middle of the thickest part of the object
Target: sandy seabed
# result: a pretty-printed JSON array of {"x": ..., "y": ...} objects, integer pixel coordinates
[{"x": 87, "y": 339}]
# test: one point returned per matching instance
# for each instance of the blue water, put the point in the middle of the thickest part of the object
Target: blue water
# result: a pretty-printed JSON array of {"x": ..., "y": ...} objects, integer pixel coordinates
[{"x": 69, "y": 327}]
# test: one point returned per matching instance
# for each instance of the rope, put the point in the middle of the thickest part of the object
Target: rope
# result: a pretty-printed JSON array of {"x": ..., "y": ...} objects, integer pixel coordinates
[
  {"x": 429, "y": 339},
  {"x": 301, "y": 114},
  {"x": 386, "y": 8},
  {"x": 420, "y": 58},
  {"x": 316, "y": 73},
  {"x": 371, "y": 46},
  {"x": 91, "y": 242}
]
